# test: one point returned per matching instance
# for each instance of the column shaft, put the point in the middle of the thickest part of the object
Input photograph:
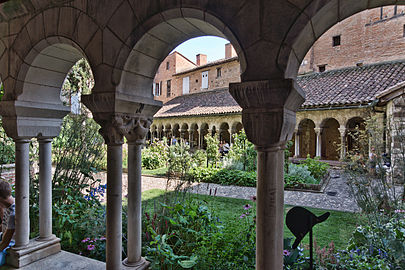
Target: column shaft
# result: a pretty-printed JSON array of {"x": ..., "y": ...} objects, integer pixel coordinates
[
  {"x": 114, "y": 207},
  {"x": 297, "y": 145},
  {"x": 45, "y": 189},
  {"x": 134, "y": 203},
  {"x": 22, "y": 179},
  {"x": 318, "y": 143},
  {"x": 270, "y": 208}
]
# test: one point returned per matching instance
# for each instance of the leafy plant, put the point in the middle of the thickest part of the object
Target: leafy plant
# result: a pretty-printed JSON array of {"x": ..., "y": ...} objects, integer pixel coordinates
[
  {"x": 155, "y": 155},
  {"x": 298, "y": 174},
  {"x": 317, "y": 168},
  {"x": 242, "y": 151},
  {"x": 212, "y": 149}
]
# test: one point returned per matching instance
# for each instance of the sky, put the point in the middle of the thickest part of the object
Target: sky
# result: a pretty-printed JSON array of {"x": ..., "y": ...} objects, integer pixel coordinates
[{"x": 213, "y": 47}]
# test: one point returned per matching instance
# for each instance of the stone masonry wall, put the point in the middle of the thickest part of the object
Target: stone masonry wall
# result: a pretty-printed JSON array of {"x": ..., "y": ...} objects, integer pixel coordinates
[{"x": 366, "y": 37}]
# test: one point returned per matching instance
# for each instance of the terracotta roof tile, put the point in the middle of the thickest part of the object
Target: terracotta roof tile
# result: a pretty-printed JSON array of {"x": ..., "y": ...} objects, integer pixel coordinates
[{"x": 348, "y": 86}]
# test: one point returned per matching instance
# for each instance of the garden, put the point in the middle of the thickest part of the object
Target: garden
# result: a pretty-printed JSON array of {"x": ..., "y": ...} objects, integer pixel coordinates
[{"x": 191, "y": 231}]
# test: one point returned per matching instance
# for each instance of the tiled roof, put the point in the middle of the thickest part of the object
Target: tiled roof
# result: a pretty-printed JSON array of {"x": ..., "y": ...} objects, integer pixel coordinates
[
  {"x": 209, "y": 64},
  {"x": 202, "y": 103},
  {"x": 342, "y": 87},
  {"x": 354, "y": 85}
]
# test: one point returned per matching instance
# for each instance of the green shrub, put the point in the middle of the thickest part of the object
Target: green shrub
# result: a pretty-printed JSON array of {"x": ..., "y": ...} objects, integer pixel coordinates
[
  {"x": 155, "y": 155},
  {"x": 203, "y": 174},
  {"x": 199, "y": 158},
  {"x": 179, "y": 159},
  {"x": 317, "y": 168},
  {"x": 298, "y": 174},
  {"x": 235, "y": 177},
  {"x": 7, "y": 148},
  {"x": 244, "y": 152},
  {"x": 212, "y": 150}
]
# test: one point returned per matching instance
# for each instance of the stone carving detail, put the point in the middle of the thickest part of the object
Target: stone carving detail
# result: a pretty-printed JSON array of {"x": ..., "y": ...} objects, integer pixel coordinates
[
  {"x": 133, "y": 127},
  {"x": 269, "y": 108}
]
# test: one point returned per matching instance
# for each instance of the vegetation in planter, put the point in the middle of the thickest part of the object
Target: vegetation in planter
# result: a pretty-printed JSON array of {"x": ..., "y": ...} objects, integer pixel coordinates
[
  {"x": 317, "y": 168},
  {"x": 297, "y": 175}
]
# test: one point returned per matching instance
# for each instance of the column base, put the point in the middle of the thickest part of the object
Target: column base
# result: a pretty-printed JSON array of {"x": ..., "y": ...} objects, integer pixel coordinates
[
  {"x": 34, "y": 251},
  {"x": 139, "y": 265}
]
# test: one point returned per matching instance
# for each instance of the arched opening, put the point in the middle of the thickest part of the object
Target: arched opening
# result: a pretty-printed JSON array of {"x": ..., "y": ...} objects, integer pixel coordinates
[
  {"x": 224, "y": 134},
  {"x": 168, "y": 132},
  {"x": 330, "y": 139},
  {"x": 185, "y": 134},
  {"x": 160, "y": 132},
  {"x": 204, "y": 132},
  {"x": 355, "y": 128},
  {"x": 176, "y": 131},
  {"x": 307, "y": 138},
  {"x": 194, "y": 139}
]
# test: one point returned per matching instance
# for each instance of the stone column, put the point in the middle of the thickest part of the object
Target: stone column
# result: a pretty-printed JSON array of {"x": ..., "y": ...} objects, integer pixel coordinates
[
  {"x": 318, "y": 152},
  {"x": 136, "y": 138},
  {"x": 268, "y": 116},
  {"x": 45, "y": 189},
  {"x": 342, "y": 131},
  {"x": 22, "y": 181},
  {"x": 297, "y": 144},
  {"x": 112, "y": 130}
]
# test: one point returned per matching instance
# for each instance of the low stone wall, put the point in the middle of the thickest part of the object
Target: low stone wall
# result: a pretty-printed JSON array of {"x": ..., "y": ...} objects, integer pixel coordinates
[{"x": 7, "y": 172}]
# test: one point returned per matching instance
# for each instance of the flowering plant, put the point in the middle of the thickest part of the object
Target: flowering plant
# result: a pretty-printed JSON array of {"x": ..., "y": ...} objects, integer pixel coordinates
[{"x": 94, "y": 247}]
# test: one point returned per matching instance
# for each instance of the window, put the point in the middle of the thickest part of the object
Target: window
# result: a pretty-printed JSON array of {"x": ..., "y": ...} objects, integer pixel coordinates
[
  {"x": 381, "y": 13},
  {"x": 336, "y": 41},
  {"x": 403, "y": 34},
  {"x": 322, "y": 68},
  {"x": 169, "y": 88},
  {"x": 156, "y": 89},
  {"x": 219, "y": 72},
  {"x": 186, "y": 85},
  {"x": 204, "y": 82},
  {"x": 167, "y": 65}
]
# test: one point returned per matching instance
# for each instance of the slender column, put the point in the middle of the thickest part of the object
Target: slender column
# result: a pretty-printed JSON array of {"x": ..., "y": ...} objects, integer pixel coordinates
[
  {"x": 136, "y": 138},
  {"x": 45, "y": 189},
  {"x": 342, "y": 131},
  {"x": 270, "y": 207},
  {"x": 318, "y": 142},
  {"x": 114, "y": 206},
  {"x": 268, "y": 116},
  {"x": 22, "y": 180},
  {"x": 297, "y": 144}
]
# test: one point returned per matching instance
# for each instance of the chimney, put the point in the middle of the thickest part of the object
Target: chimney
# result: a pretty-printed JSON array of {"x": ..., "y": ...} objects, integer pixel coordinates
[
  {"x": 229, "y": 51},
  {"x": 201, "y": 59}
]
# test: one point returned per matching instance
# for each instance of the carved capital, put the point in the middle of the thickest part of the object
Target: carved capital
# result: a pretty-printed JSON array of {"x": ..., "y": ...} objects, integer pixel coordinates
[
  {"x": 269, "y": 109},
  {"x": 139, "y": 129}
]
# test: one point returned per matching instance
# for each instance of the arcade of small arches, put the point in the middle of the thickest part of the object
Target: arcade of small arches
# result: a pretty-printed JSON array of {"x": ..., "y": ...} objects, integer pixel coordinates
[{"x": 193, "y": 132}]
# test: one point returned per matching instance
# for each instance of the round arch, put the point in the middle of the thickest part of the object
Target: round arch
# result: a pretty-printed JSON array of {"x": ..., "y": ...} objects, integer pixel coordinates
[
  {"x": 307, "y": 138},
  {"x": 313, "y": 22},
  {"x": 354, "y": 128},
  {"x": 330, "y": 139},
  {"x": 138, "y": 61}
]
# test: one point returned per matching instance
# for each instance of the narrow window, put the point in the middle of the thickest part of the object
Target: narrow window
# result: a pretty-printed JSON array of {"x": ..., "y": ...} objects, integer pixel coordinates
[
  {"x": 336, "y": 41},
  {"x": 395, "y": 10},
  {"x": 219, "y": 72},
  {"x": 403, "y": 32},
  {"x": 167, "y": 65},
  {"x": 157, "y": 89},
  {"x": 322, "y": 68},
  {"x": 381, "y": 13},
  {"x": 169, "y": 88}
]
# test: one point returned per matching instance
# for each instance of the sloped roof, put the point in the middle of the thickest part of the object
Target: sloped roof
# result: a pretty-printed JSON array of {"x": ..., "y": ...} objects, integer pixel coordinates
[
  {"x": 354, "y": 85},
  {"x": 342, "y": 87},
  {"x": 209, "y": 64},
  {"x": 202, "y": 103}
]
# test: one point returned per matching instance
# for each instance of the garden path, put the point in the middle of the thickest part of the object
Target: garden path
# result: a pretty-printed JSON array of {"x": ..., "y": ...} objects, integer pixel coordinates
[{"x": 341, "y": 201}]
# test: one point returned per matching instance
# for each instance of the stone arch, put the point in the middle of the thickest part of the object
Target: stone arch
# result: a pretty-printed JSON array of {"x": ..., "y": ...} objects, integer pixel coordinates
[
  {"x": 224, "y": 132},
  {"x": 203, "y": 131},
  {"x": 185, "y": 132},
  {"x": 176, "y": 131},
  {"x": 54, "y": 34},
  {"x": 137, "y": 61},
  {"x": 354, "y": 126},
  {"x": 330, "y": 139},
  {"x": 312, "y": 23},
  {"x": 195, "y": 135},
  {"x": 307, "y": 138}
]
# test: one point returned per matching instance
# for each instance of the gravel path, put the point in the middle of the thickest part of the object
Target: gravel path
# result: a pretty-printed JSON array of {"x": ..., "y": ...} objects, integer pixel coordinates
[{"x": 340, "y": 201}]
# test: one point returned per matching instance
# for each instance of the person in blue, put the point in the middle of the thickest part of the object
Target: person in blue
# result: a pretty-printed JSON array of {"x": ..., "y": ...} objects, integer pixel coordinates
[
  {"x": 174, "y": 141},
  {"x": 7, "y": 211}
]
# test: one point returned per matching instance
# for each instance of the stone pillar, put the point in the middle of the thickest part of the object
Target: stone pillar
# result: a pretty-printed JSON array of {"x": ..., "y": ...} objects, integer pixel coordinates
[
  {"x": 268, "y": 116},
  {"x": 112, "y": 130},
  {"x": 136, "y": 138},
  {"x": 318, "y": 152},
  {"x": 342, "y": 131},
  {"x": 45, "y": 189},
  {"x": 22, "y": 181},
  {"x": 297, "y": 144}
]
